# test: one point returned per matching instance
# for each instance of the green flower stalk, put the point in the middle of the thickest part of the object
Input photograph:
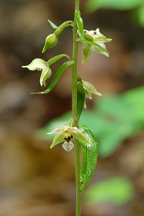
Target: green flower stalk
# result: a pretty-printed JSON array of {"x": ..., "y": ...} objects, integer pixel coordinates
[{"x": 72, "y": 135}]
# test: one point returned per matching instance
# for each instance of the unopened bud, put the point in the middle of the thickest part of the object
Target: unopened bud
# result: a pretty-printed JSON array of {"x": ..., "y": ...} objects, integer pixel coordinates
[{"x": 51, "y": 41}]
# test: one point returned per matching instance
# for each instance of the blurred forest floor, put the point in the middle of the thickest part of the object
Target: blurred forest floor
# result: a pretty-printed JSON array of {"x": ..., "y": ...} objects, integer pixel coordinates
[{"x": 35, "y": 181}]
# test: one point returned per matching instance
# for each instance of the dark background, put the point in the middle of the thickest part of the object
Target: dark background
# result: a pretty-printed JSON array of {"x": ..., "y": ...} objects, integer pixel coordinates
[{"x": 35, "y": 181}]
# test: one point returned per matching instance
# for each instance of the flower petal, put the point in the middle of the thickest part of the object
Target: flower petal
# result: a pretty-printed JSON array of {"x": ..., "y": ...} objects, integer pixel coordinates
[
  {"x": 46, "y": 73},
  {"x": 67, "y": 146},
  {"x": 82, "y": 138},
  {"x": 36, "y": 64}
]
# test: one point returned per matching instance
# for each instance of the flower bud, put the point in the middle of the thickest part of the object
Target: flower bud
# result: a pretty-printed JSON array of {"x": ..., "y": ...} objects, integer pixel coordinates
[{"x": 51, "y": 41}]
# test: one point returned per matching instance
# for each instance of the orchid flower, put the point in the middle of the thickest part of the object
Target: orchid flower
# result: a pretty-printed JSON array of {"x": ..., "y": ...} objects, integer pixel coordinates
[
  {"x": 90, "y": 89},
  {"x": 40, "y": 65},
  {"x": 66, "y": 134},
  {"x": 98, "y": 43}
]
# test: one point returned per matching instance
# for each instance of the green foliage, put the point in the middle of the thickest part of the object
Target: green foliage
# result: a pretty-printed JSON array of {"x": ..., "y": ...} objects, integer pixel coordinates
[
  {"x": 56, "y": 77},
  {"x": 114, "y": 119},
  {"x": 92, "y": 5},
  {"x": 89, "y": 159},
  {"x": 137, "y": 5},
  {"x": 140, "y": 15},
  {"x": 116, "y": 190}
]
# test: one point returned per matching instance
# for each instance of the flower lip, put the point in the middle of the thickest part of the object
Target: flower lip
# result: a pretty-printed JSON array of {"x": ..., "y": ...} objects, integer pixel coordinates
[{"x": 68, "y": 146}]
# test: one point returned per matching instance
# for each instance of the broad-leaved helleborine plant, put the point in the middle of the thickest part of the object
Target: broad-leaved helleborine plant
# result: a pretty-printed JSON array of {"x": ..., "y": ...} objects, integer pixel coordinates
[{"x": 72, "y": 134}]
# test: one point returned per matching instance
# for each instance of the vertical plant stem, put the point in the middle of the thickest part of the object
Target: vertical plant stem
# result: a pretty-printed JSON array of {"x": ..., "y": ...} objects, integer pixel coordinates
[{"x": 74, "y": 111}]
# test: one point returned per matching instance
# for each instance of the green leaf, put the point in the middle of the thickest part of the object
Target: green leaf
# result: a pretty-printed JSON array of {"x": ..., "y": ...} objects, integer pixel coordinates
[
  {"x": 79, "y": 22},
  {"x": 121, "y": 5},
  {"x": 115, "y": 190},
  {"x": 94, "y": 44},
  {"x": 56, "y": 58},
  {"x": 56, "y": 78},
  {"x": 52, "y": 24},
  {"x": 140, "y": 14},
  {"x": 89, "y": 160},
  {"x": 80, "y": 97},
  {"x": 57, "y": 139},
  {"x": 93, "y": 5},
  {"x": 84, "y": 163}
]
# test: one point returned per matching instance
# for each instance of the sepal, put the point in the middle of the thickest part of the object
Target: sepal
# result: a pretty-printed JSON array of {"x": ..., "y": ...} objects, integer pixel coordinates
[{"x": 57, "y": 139}]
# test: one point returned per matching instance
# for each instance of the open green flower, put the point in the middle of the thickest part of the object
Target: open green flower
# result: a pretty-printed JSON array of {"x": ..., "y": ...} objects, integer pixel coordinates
[
  {"x": 89, "y": 90},
  {"x": 94, "y": 36},
  {"x": 40, "y": 65},
  {"x": 66, "y": 134}
]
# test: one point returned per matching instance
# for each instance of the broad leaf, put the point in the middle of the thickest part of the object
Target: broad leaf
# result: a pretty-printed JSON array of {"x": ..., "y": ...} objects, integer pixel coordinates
[
  {"x": 84, "y": 163},
  {"x": 140, "y": 14},
  {"x": 89, "y": 160},
  {"x": 116, "y": 190},
  {"x": 93, "y": 5},
  {"x": 56, "y": 78}
]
